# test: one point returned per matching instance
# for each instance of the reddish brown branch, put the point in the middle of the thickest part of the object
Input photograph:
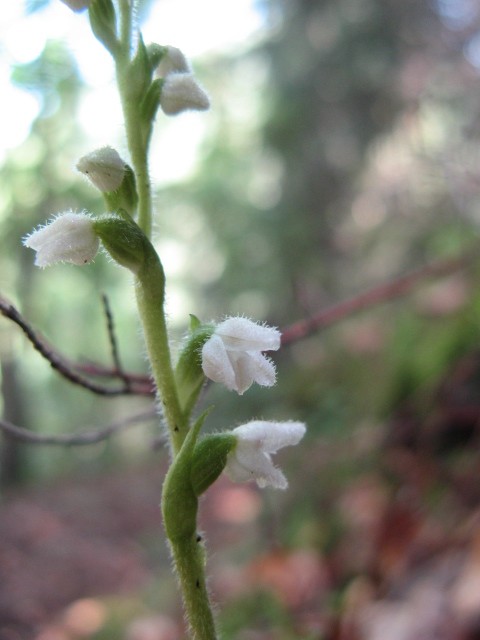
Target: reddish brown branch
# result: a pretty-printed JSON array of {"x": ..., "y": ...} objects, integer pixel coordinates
[
  {"x": 114, "y": 344},
  {"x": 69, "y": 371},
  {"x": 89, "y": 436},
  {"x": 377, "y": 295}
]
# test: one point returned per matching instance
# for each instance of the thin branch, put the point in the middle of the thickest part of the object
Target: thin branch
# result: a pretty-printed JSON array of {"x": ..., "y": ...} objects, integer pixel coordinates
[
  {"x": 90, "y": 436},
  {"x": 63, "y": 367},
  {"x": 114, "y": 344},
  {"x": 375, "y": 296},
  {"x": 141, "y": 384}
]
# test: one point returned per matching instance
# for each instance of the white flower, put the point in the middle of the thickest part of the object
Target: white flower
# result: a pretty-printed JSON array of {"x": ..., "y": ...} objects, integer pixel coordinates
[
  {"x": 250, "y": 459},
  {"x": 104, "y": 168},
  {"x": 233, "y": 354},
  {"x": 181, "y": 92},
  {"x": 173, "y": 61},
  {"x": 67, "y": 238}
]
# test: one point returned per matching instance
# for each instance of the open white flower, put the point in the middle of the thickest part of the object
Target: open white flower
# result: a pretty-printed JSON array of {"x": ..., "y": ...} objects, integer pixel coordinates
[
  {"x": 250, "y": 459},
  {"x": 69, "y": 237},
  {"x": 233, "y": 354},
  {"x": 181, "y": 92}
]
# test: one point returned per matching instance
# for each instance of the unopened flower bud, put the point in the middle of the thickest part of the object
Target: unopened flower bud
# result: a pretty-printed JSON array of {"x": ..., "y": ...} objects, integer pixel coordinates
[
  {"x": 76, "y": 5},
  {"x": 104, "y": 168},
  {"x": 181, "y": 92},
  {"x": 70, "y": 237},
  {"x": 103, "y": 21}
]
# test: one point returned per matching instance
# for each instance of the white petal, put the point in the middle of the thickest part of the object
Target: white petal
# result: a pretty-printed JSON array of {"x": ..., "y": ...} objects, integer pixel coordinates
[
  {"x": 216, "y": 364},
  {"x": 104, "y": 168},
  {"x": 174, "y": 61},
  {"x": 256, "y": 440},
  {"x": 275, "y": 479},
  {"x": 271, "y": 436},
  {"x": 245, "y": 464},
  {"x": 236, "y": 471},
  {"x": 241, "y": 334},
  {"x": 263, "y": 369},
  {"x": 251, "y": 367},
  {"x": 260, "y": 465},
  {"x": 243, "y": 371},
  {"x": 181, "y": 92},
  {"x": 68, "y": 238}
]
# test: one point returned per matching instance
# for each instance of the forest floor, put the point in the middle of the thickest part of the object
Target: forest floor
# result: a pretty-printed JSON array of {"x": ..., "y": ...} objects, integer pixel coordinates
[{"x": 392, "y": 551}]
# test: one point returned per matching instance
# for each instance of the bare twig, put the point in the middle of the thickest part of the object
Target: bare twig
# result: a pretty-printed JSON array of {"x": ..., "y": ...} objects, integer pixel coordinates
[
  {"x": 89, "y": 436},
  {"x": 377, "y": 295},
  {"x": 114, "y": 344},
  {"x": 141, "y": 384},
  {"x": 66, "y": 369}
]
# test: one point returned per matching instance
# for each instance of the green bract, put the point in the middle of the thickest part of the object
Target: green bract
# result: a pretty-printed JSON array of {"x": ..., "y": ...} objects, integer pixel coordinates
[
  {"x": 209, "y": 460},
  {"x": 179, "y": 499},
  {"x": 125, "y": 197},
  {"x": 188, "y": 373},
  {"x": 124, "y": 240},
  {"x": 139, "y": 73}
]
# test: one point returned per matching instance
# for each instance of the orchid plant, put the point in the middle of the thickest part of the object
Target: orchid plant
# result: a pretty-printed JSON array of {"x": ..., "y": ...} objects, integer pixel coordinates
[{"x": 152, "y": 78}]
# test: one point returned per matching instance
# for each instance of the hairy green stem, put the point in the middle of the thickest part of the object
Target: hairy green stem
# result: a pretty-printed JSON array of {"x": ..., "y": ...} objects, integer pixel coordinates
[
  {"x": 179, "y": 509},
  {"x": 150, "y": 293},
  {"x": 189, "y": 561},
  {"x": 125, "y": 22},
  {"x": 139, "y": 151},
  {"x": 179, "y": 502},
  {"x": 138, "y": 147},
  {"x": 137, "y": 140}
]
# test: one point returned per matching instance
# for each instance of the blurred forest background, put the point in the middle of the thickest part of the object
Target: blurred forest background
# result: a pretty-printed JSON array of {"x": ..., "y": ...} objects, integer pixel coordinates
[{"x": 341, "y": 152}]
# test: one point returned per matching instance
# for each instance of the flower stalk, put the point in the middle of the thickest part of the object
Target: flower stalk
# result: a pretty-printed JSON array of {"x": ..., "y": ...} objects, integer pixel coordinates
[
  {"x": 231, "y": 353},
  {"x": 150, "y": 295},
  {"x": 179, "y": 508}
]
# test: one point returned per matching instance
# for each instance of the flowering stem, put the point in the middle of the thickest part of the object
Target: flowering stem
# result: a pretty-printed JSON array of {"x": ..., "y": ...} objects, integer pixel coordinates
[
  {"x": 150, "y": 282},
  {"x": 150, "y": 292},
  {"x": 125, "y": 22},
  {"x": 137, "y": 138},
  {"x": 179, "y": 501},
  {"x": 138, "y": 147},
  {"x": 179, "y": 508},
  {"x": 189, "y": 562}
]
